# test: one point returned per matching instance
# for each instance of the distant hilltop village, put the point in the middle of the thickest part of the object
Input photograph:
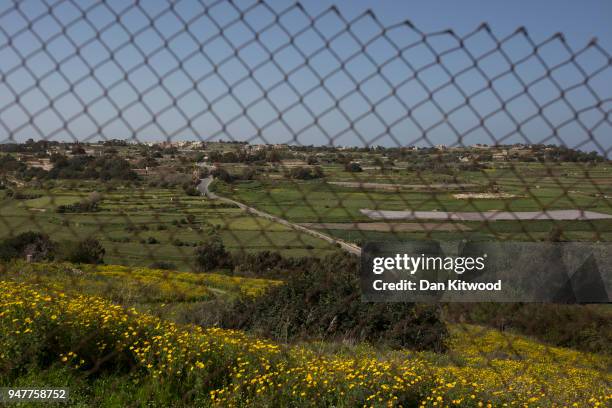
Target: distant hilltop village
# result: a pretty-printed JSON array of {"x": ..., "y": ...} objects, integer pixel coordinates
[
  {"x": 40, "y": 154},
  {"x": 245, "y": 145},
  {"x": 179, "y": 163}
]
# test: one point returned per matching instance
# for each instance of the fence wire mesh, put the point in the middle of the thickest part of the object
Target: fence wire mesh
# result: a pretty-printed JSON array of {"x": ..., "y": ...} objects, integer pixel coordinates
[{"x": 170, "y": 138}]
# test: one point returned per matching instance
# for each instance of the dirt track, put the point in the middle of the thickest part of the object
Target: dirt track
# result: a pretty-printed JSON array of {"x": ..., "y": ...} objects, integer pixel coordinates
[
  {"x": 203, "y": 188},
  {"x": 397, "y": 187},
  {"x": 559, "y": 215},
  {"x": 388, "y": 227}
]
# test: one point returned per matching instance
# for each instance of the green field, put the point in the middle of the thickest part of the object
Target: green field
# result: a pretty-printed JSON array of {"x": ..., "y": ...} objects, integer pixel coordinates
[
  {"x": 528, "y": 186},
  {"x": 129, "y": 217}
]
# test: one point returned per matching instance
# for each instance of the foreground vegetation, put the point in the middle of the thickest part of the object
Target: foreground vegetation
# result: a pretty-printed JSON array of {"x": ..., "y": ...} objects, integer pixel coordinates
[
  {"x": 92, "y": 339},
  {"x": 134, "y": 285},
  {"x": 203, "y": 304}
]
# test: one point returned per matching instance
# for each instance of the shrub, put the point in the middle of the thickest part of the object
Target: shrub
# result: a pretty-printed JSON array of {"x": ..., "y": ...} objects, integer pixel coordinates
[
  {"x": 582, "y": 327},
  {"x": 20, "y": 195},
  {"x": 108, "y": 167},
  {"x": 190, "y": 190},
  {"x": 90, "y": 204},
  {"x": 322, "y": 300},
  {"x": 222, "y": 175},
  {"x": 163, "y": 265},
  {"x": 305, "y": 173},
  {"x": 260, "y": 263},
  {"x": 249, "y": 173},
  {"x": 39, "y": 246},
  {"x": 89, "y": 251},
  {"x": 353, "y": 167},
  {"x": 211, "y": 254},
  {"x": 555, "y": 234}
]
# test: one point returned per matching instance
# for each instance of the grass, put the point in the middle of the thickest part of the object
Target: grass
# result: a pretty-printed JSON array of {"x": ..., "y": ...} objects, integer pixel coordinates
[
  {"x": 104, "y": 347},
  {"x": 128, "y": 217},
  {"x": 536, "y": 187}
]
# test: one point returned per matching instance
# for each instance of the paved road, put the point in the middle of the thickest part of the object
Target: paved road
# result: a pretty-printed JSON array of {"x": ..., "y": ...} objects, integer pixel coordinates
[{"x": 203, "y": 188}]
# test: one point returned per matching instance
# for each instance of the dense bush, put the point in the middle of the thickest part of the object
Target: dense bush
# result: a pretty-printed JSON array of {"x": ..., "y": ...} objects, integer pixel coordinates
[
  {"x": 248, "y": 173},
  {"x": 211, "y": 255},
  {"x": 190, "y": 190},
  {"x": 108, "y": 167},
  {"x": 268, "y": 264},
  {"x": 20, "y": 195},
  {"x": 322, "y": 300},
  {"x": 11, "y": 164},
  {"x": 582, "y": 327},
  {"x": 163, "y": 265},
  {"x": 89, "y": 251},
  {"x": 353, "y": 167},
  {"x": 90, "y": 204},
  {"x": 312, "y": 160},
  {"x": 305, "y": 173},
  {"x": 119, "y": 239},
  {"x": 222, "y": 175},
  {"x": 39, "y": 246}
]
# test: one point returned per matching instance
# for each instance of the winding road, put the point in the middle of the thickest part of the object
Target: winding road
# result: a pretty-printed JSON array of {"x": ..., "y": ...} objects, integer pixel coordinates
[{"x": 203, "y": 188}]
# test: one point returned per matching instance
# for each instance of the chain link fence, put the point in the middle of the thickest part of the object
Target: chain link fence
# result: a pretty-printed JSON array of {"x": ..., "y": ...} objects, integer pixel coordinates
[{"x": 165, "y": 138}]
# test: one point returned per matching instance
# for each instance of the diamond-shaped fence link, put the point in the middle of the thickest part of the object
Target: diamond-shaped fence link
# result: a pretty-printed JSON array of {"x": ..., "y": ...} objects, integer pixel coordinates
[{"x": 152, "y": 126}]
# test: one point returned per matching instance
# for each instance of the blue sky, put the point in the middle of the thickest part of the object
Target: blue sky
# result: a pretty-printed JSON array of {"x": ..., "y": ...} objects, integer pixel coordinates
[
  {"x": 84, "y": 70},
  {"x": 580, "y": 21}
]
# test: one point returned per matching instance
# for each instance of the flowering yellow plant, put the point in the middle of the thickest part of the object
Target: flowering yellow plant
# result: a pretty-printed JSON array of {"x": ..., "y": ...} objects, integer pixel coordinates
[{"x": 228, "y": 367}]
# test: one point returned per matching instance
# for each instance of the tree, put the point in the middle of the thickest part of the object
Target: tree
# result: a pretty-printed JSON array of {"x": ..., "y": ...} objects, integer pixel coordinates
[
  {"x": 89, "y": 251},
  {"x": 353, "y": 167},
  {"x": 312, "y": 160},
  {"x": 211, "y": 254},
  {"x": 34, "y": 244},
  {"x": 190, "y": 190},
  {"x": 222, "y": 175},
  {"x": 90, "y": 204},
  {"x": 273, "y": 156},
  {"x": 229, "y": 157},
  {"x": 555, "y": 234},
  {"x": 148, "y": 161},
  {"x": 162, "y": 265},
  {"x": 305, "y": 173},
  {"x": 77, "y": 149},
  {"x": 249, "y": 173}
]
